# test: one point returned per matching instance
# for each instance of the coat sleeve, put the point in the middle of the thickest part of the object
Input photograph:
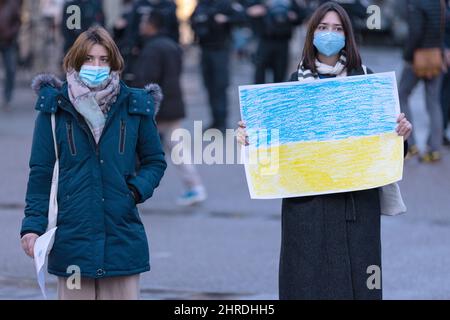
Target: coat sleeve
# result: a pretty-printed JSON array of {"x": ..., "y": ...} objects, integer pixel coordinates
[
  {"x": 151, "y": 158},
  {"x": 42, "y": 162}
]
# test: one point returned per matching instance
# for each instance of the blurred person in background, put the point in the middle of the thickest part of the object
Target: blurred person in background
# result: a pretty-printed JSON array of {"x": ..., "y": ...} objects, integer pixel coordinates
[
  {"x": 423, "y": 57},
  {"x": 160, "y": 62},
  {"x": 167, "y": 8},
  {"x": 212, "y": 22},
  {"x": 102, "y": 126},
  {"x": 273, "y": 23},
  {"x": 9, "y": 29},
  {"x": 91, "y": 15},
  {"x": 445, "y": 90},
  {"x": 121, "y": 25},
  {"x": 134, "y": 42}
]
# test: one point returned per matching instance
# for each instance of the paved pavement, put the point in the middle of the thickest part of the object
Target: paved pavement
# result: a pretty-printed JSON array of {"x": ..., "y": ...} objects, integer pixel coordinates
[{"x": 228, "y": 247}]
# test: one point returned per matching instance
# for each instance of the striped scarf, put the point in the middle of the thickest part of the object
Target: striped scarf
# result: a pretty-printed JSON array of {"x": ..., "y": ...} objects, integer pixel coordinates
[{"x": 338, "y": 70}]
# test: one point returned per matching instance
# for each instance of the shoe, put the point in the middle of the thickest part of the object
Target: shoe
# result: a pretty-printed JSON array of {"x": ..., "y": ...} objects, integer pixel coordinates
[
  {"x": 192, "y": 196},
  {"x": 433, "y": 156},
  {"x": 412, "y": 152}
]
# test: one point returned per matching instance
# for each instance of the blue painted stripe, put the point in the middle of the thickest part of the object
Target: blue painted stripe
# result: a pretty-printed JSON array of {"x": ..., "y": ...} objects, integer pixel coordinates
[{"x": 322, "y": 110}]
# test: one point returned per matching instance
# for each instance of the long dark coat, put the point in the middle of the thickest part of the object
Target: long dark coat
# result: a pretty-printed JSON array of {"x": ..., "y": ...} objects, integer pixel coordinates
[{"x": 328, "y": 242}]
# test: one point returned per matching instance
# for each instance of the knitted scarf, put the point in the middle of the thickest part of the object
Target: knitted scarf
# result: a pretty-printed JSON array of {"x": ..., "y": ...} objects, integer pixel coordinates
[
  {"x": 93, "y": 103},
  {"x": 338, "y": 70}
]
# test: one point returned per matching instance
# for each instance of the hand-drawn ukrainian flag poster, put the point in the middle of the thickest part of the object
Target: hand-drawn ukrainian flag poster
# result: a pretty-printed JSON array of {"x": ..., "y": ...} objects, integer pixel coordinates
[{"x": 325, "y": 136}]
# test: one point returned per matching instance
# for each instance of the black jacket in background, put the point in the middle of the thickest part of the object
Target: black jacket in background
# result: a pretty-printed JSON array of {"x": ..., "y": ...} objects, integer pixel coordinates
[
  {"x": 210, "y": 34},
  {"x": 91, "y": 14},
  {"x": 262, "y": 30},
  {"x": 447, "y": 26},
  {"x": 426, "y": 26},
  {"x": 160, "y": 62},
  {"x": 143, "y": 7}
]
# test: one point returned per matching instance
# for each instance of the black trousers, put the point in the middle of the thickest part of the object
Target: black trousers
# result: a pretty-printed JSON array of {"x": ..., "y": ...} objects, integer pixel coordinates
[
  {"x": 271, "y": 55},
  {"x": 215, "y": 72}
]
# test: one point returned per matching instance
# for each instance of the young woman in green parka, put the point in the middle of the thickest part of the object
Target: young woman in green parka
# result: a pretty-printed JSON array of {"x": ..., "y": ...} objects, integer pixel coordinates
[{"x": 102, "y": 128}]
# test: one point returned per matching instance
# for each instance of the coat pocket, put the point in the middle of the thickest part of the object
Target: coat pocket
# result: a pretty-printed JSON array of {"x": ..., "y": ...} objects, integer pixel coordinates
[
  {"x": 122, "y": 136},
  {"x": 70, "y": 138}
]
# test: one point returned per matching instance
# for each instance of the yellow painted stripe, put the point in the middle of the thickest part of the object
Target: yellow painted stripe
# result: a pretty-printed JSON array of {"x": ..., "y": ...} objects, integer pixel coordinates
[{"x": 306, "y": 168}]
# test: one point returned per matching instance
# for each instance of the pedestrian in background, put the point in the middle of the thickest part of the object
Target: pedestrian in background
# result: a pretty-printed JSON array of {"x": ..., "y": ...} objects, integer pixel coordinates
[
  {"x": 9, "y": 29},
  {"x": 424, "y": 62},
  {"x": 134, "y": 41},
  {"x": 445, "y": 89},
  {"x": 121, "y": 25},
  {"x": 91, "y": 15},
  {"x": 160, "y": 62},
  {"x": 212, "y": 22},
  {"x": 101, "y": 124},
  {"x": 328, "y": 241},
  {"x": 273, "y": 23}
]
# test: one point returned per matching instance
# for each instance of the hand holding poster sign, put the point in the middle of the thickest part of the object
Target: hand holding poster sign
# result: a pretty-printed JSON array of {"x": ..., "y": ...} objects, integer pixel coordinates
[{"x": 327, "y": 136}]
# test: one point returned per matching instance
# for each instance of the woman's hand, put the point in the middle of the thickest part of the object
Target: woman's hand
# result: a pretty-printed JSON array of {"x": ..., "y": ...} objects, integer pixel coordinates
[
  {"x": 28, "y": 242},
  {"x": 404, "y": 127},
  {"x": 241, "y": 134}
]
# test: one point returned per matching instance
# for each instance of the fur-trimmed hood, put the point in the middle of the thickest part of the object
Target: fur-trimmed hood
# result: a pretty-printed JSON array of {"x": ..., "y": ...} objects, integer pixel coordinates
[
  {"x": 155, "y": 91},
  {"x": 52, "y": 80},
  {"x": 44, "y": 79}
]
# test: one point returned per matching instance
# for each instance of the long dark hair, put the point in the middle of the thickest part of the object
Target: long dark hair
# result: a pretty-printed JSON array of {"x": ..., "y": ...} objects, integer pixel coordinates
[{"x": 310, "y": 52}]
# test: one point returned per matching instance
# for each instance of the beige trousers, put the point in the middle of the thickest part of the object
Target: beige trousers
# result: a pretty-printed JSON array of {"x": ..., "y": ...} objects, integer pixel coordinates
[{"x": 113, "y": 288}]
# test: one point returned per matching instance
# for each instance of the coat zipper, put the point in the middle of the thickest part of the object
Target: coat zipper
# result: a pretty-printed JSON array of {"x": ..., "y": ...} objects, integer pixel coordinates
[
  {"x": 69, "y": 127},
  {"x": 122, "y": 136}
]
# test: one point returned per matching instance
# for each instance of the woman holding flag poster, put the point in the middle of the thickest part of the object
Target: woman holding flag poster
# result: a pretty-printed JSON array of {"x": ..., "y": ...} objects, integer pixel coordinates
[{"x": 331, "y": 243}]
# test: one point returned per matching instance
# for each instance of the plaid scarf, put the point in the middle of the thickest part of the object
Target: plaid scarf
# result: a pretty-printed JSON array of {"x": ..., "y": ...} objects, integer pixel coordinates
[
  {"x": 308, "y": 75},
  {"x": 93, "y": 103}
]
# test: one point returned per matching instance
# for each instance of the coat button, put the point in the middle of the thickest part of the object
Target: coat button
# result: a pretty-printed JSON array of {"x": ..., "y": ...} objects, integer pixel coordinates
[
  {"x": 101, "y": 161},
  {"x": 103, "y": 199},
  {"x": 134, "y": 101},
  {"x": 42, "y": 97},
  {"x": 42, "y": 105},
  {"x": 100, "y": 272},
  {"x": 59, "y": 101},
  {"x": 148, "y": 110}
]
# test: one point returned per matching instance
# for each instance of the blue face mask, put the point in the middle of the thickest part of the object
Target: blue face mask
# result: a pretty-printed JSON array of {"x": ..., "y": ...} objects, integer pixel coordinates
[
  {"x": 93, "y": 76},
  {"x": 329, "y": 43}
]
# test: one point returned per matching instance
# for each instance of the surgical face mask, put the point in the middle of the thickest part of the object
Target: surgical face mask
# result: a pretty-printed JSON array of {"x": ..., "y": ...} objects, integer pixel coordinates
[
  {"x": 329, "y": 43},
  {"x": 93, "y": 76}
]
